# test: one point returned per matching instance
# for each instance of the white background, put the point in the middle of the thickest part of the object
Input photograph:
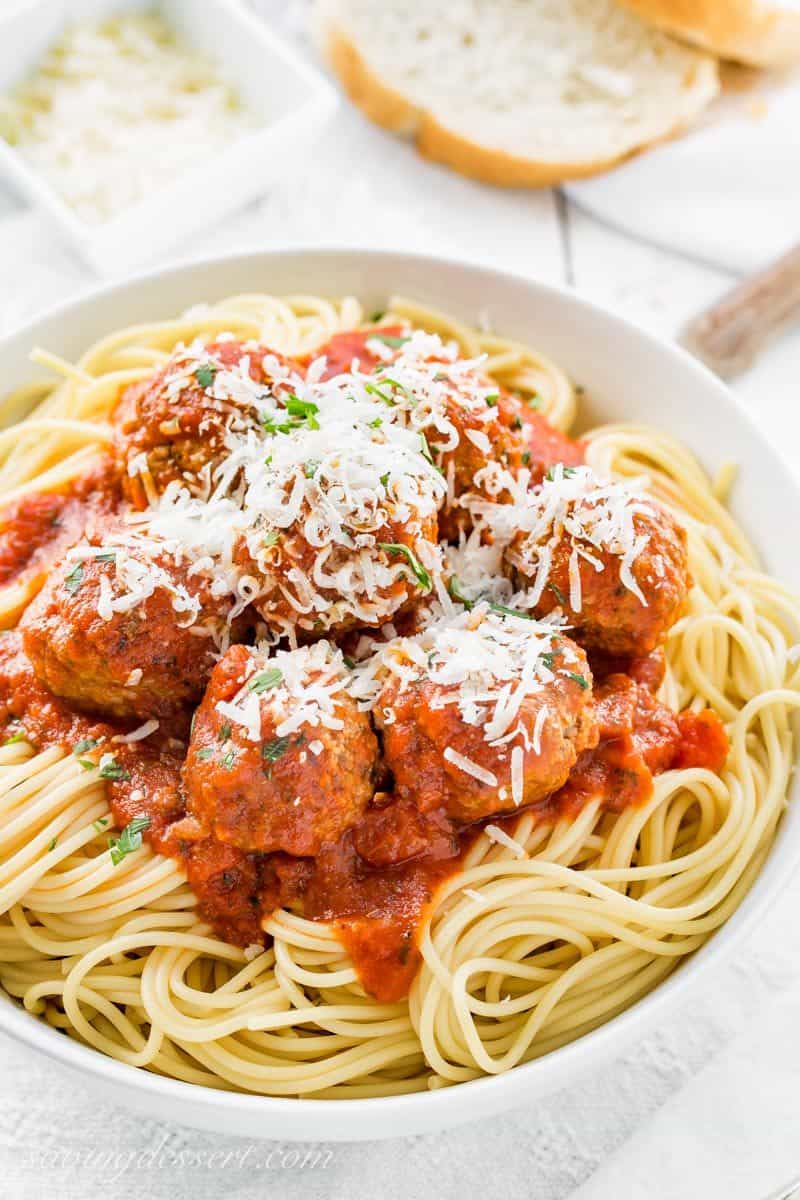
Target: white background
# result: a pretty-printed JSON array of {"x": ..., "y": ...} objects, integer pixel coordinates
[{"x": 716, "y": 1059}]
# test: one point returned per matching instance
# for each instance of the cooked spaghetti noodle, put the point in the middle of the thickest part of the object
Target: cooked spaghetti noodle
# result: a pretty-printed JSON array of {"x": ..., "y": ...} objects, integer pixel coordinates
[{"x": 549, "y": 927}]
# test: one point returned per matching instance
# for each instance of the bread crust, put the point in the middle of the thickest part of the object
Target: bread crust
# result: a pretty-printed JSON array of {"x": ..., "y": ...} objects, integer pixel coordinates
[
  {"x": 756, "y": 32},
  {"x": 390, "y": 109}
]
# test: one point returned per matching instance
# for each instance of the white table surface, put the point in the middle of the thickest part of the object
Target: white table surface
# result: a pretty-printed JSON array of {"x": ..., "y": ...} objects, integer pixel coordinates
[{"x": 55, "y": 1137}]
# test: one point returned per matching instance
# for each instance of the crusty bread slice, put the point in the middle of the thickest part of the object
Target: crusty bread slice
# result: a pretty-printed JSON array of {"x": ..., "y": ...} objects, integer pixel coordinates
[
  {"x": 515, "y": 92},
  {"x": 762, "y": 33}
]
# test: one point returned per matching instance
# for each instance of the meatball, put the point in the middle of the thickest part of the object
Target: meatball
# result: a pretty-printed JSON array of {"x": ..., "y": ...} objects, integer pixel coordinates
[
  {"x": 343, "y": 528},
  {"x": 483, "y": 713},
  {"x": 124, "y": 631},
  {"x": 612, "y": 561},
  {"x": 280, "y": 757},
  {"x": 178, "y": 423},
  {"x": 468, "y": 428}
]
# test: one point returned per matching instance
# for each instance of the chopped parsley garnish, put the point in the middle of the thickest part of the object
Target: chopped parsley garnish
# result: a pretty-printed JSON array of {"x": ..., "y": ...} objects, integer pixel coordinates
[
  {"x": 579, "y": 679},
  {"x": 385, "y": 479},
  {"x": 204, "y": 754},
  {"x": 272, "y": 751},
  {"x": 421, "y": 575},
  {"x": 115, "y": 771},
  {"x": 100, "y": 824},
  {"x": 454, "y": 588},
  {"x": 391, "y": 339},
  {"x": 425, "y": 449},
  {"x": 265, "y": 680},
  {"x": 526, "y": 457},
  {"x": 350, "y": 663},
  {"x": 74, "y": 579},
  {"x": 271, "y": 538},
  {"x": 516, "y": 423},
  {"x": 15, "y": 737},
  {"x": 377, "y": 316},
  {"x": 53, "y": 844},
  {"x": 492, "y": 400},
  {"x": 311, "y": 467},
  {"x": 129, "y": 840},
  {"x": 228, "y": 760},
  {"x": 551, "y": 472},
  {"x": 374, "y": 390},
  {"x": 84, "y": 744},
  {"x": 224, "y": 732},
  {"x": 305, "y": 410},
  {"x": 376, "y": 424},
  {"x": 559, "y": 595},
  {"x": 108, "y": 557},
  {"x": 206, "y": 374},
  {"x": 505, "y": 611}
]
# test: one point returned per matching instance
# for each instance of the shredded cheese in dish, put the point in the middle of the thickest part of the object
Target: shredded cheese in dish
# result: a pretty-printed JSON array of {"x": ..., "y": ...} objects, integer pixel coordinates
[{"x": 115, "y": 110}]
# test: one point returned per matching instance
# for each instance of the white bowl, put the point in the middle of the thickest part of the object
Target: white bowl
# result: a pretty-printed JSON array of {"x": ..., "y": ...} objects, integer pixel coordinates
[
  {"x": 291, "y": 101},
  {"x": 629, "y": 375}
]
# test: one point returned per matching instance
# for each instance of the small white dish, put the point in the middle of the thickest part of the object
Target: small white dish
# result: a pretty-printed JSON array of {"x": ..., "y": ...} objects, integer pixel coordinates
[
  {"x": 290, "y": 99},
  {"x": 629, "y": 376}
]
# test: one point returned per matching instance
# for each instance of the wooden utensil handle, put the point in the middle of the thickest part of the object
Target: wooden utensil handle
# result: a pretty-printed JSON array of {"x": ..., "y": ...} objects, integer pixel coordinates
[{"x": 729, "y": 335}]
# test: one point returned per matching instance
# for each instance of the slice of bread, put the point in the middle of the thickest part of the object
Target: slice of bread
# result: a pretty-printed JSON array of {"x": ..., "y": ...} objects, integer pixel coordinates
[
  {"x": 761, "y": 33},
  {"x": 521, "y": 93}
]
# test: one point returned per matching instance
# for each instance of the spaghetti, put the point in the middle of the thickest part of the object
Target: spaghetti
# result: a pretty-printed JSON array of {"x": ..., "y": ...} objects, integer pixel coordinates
[{"x": 553, "y": 922}]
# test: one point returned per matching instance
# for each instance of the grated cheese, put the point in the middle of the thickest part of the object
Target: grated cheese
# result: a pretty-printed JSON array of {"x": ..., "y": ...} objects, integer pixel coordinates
[
  {"x": 470, "y": 768},
  {"x": 118, "y": 109},
  {"x": 496, "y": 834}
]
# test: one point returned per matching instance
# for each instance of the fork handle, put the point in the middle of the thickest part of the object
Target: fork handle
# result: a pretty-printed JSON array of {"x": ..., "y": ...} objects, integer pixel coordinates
[{"x": 730, "y": 334}]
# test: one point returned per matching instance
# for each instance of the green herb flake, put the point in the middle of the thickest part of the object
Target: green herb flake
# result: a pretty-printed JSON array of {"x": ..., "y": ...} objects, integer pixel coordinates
[
  {"x": 224, "y": 732},
  {"x": 491, "y": 401},
  {"x": 265, "y": 680},
  {"x": 206, "y": 374},
  {"x": 74, "y": 579},
  {"x": 114, "y": 771},
  {"x": 271, "y": 538},
  {"x": 129, "y": 840},
  {"x": 310, "y": 468},
  {"x": 559, "y": 595},
  {"x": 421, "y": 575},
  {"x": 505, "y": 611},
  {"x": 16, "y": 737},
  {"x": 579, "y": 679},
  {"x": 84, "y": 744},
  {"x": 454, "y": 588},
  {"x": 385, "y": 479},
  {"x": 534, "y": 401},
  {"x": 526, "y": 458},
  {"x": 568, "y": 472},
  {"x": 376, "y": 424},
  {"x": 204, "y": 754},
  {"x": 87, "y": 764},
  {"x": 100, "y": 824},
  {"x": 228, "y": 760},
  {"x": 391, "y": 339},
  {"x": 53, "y": 844},
  {"x": 272, "y": 751},
  {"x": 350, "y": 663},
  {"x": 516, "y": 423}
]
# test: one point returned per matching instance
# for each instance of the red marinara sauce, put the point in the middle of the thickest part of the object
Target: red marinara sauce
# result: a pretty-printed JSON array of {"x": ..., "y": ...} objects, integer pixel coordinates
[
  {"x": 39, "y": 526},
  {"x": 344, "y": 348}
]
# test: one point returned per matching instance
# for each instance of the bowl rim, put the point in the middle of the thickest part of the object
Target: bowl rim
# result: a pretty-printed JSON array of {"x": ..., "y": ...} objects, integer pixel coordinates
[{"x": 601, "y": 1042}]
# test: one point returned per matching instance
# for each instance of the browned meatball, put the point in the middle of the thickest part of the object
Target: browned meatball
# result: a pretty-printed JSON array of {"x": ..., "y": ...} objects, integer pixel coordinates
[
  {"x": 614, "y": 562},
  {"x": 483, "y": 713},
  {"x": 174, "y": 424},
  {"x": 280, "y": 756},
  {"x": 121, "y": 632},
  {"x": 345, "y": 528}
]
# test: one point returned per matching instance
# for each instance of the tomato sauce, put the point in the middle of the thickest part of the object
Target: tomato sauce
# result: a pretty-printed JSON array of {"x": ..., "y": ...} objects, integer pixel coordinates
[
  {"x": 37, "y": 528},
  {"x": 344, "y": 348}
]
